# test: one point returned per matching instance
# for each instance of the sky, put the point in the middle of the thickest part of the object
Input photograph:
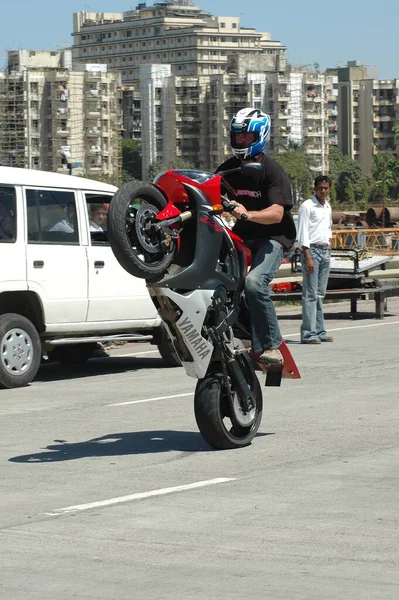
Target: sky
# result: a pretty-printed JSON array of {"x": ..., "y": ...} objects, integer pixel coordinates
[{"x": 327, "y": 33}]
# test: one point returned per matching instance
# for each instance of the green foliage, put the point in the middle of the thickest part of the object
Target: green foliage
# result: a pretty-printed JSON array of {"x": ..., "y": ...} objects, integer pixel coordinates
[
  {"x": 176, "y": 163},
  {"x": 131, "y": 159},
  {"x": 385, "y": 176},
  {"x": 350, "y": 183},
  {"x": 296, "y": 164}
]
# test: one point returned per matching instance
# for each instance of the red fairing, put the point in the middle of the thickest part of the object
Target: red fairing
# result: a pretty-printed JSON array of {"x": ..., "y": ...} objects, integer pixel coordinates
[
  {"x": 239, "y": 244},
  {"x": 171, "y": 183}
]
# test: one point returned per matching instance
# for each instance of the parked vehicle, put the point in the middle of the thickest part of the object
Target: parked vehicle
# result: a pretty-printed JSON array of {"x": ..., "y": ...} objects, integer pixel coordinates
[
  {"x": 61, "y": 288},
  {"x": 172, "y": 234}
]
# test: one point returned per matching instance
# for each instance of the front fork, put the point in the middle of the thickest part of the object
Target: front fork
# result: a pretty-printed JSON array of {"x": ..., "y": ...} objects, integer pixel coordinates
[{"x": 231, "y": 368}]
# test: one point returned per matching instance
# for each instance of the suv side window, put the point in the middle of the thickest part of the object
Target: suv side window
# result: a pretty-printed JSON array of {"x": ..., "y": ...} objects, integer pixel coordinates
[
  {"x": 7, "y": 214},
  {"x": 51, "y": 217},
  {"x": 97, "y": 210}
]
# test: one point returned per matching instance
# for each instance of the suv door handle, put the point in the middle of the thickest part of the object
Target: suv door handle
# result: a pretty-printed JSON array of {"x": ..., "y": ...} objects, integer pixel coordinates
[
  {"x": 38, "y": 264},
  {"x": 99, "y": 264}
]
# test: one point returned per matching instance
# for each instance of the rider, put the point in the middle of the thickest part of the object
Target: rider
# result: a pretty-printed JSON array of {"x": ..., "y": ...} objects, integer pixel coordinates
[{"x": 269, "y": 228}]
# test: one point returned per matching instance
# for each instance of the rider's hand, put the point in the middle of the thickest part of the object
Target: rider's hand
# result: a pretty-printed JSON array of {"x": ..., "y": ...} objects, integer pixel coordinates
[
  {"x": 239, "y": 210},
  {"x": 309, "y": 264}
]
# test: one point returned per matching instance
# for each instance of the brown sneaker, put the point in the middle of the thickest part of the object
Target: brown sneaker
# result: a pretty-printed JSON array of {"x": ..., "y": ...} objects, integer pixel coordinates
[
  {"x": 271, "y": 358},
  {"x": 328, "y": 338},
  {"x": 311, "y": 341}
]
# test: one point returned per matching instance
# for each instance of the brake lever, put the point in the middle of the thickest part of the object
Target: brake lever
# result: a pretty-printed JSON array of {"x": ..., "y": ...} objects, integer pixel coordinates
[{"x": 243, "y": 217}]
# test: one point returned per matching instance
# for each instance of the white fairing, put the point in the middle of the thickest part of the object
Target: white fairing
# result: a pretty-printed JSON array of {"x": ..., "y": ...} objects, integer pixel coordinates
[{"x": 194, "y": 306}]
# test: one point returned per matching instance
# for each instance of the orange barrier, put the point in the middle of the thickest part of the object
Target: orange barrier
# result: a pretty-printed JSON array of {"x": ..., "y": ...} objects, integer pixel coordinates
[{"x": 379, "y": 241}]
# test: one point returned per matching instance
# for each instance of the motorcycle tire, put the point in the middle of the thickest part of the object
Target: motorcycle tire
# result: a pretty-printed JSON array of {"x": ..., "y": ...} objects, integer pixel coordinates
[
  {"x": 138, "y": 252},
  {"x": 213, "y": 409}
]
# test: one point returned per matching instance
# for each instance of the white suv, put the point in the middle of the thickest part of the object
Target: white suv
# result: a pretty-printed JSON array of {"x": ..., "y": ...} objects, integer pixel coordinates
[{"x": 61, "y": 288}]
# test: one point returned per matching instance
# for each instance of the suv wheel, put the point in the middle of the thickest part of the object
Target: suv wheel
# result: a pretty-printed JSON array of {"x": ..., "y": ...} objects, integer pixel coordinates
[{"x": 20, "y": 351}]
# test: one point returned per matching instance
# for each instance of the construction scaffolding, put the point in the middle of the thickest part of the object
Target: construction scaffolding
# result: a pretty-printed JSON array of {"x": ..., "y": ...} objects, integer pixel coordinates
[{"x": 12, "y": 121}]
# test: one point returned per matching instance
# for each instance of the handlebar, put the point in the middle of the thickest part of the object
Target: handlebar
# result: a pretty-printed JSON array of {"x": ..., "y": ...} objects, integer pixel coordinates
[{"x": 230, "y": 206}]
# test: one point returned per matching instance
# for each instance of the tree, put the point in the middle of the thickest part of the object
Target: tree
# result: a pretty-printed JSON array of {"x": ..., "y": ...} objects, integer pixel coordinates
[
  {"x": 385, "y": 175},
  {"x": 176, "y": 163},
  {"x": 296, "y": 164},
  {"x": 131, "y": 159},
  {"x": 349, "y": 180}
]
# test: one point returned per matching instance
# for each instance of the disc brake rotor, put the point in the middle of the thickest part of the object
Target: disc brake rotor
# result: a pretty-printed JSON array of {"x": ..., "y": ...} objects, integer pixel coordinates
[
  {"x": 146, "y": 236},
  {"x": 243, "y": 419}
]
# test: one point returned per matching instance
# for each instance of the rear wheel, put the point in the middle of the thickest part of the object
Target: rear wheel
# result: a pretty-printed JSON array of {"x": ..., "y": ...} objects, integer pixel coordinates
[
  {"x": 20, "y": 351},
  {"x": 139, "y": 248},
  {"x": 222, "y": 422}
]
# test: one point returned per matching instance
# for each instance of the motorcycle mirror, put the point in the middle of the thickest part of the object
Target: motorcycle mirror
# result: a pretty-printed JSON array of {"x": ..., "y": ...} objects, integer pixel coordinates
[{"x": 251, "y": 169}]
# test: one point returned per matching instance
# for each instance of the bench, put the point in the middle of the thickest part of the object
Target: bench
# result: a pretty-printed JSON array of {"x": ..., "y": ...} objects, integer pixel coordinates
[{"x": 378, "y": 294}]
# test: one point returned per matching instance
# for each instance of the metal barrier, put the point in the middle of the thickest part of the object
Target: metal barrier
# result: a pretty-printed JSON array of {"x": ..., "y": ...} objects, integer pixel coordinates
[{"x": 379, "y": 241}]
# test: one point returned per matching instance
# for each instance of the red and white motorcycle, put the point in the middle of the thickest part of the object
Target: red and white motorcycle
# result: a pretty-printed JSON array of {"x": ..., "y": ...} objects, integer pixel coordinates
[{"x": 172, "y": 234}]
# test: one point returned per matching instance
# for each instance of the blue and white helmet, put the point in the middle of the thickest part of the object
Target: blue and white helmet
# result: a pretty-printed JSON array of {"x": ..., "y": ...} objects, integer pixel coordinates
[{"x": 249, "y": 120}]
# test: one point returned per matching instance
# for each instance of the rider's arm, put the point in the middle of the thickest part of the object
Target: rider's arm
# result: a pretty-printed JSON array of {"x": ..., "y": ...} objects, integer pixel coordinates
[{"x": 267, "y": 216}]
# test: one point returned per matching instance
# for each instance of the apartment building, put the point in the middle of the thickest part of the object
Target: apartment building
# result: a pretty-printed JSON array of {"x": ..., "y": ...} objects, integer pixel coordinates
[
  {"x": 56, "y": 118},
  {"x": 192, "y": 41},
  {"x": 189, "y": 117},
  {"x": 368, "y": 109}
]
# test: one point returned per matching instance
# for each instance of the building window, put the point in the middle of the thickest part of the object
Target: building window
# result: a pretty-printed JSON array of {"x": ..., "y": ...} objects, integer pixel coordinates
[
  {"x": 234, "y": 25},
  {"x": 109, "y": 35},
  {"x": 129, "y": 33},
  {"x": 222, "y": 25},
  {"x": 83, "y": 37}
]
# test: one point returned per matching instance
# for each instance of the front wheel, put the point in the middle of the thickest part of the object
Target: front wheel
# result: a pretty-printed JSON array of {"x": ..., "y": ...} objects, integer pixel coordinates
[
  {"x": 20, "y": 351},
  {"x": 141, "y": 249},
  {"x": 221, "y": 421}
]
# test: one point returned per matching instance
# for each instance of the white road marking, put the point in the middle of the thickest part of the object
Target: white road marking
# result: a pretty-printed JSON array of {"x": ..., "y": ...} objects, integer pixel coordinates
[
  {"x": 136, "y": 354},
  {"x": 139, "y": 496},
  {"x": 151, "y": 399},
  {"x": 296, "y": 333}
]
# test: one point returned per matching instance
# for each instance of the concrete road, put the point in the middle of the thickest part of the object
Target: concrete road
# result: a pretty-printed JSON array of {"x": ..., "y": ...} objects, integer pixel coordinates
[{"x": 108, "y": 490}]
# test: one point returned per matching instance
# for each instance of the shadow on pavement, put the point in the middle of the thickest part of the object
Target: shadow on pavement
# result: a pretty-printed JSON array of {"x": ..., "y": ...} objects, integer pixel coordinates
[
  {"x": 97, "y": 366},
  {"x": 337, "y": 316},
  {"x": 121, "y": 444}
]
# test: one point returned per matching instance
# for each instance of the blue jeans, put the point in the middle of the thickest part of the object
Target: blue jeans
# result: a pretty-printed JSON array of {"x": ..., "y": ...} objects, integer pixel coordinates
[
  {"x": 313, "y": 291},
  {"x": 265, "y": 331}
]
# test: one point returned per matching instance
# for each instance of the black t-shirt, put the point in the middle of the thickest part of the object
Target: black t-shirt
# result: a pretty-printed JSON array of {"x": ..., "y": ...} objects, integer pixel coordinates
[{"x": 272, "y": 188}]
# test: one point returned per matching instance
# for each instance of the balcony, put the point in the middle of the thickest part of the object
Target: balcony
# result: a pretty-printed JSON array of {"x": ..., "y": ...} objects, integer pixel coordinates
[
  {"x": 93, "y": 132},
  {"x": 93, "y": 114},
  {"x": 312, "y": 115},
  {"x": 62, "y": 132},
  {"x": 309, "y": 132}
]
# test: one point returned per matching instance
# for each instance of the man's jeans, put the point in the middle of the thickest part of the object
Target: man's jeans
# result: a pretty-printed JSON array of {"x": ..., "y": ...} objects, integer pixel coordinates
[
  {"x": 313, "y": 291},
  {"x": 265, "y": 331}
]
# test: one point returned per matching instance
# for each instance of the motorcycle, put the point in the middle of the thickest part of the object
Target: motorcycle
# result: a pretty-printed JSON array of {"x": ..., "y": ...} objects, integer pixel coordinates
[{"x": 173, "y": 233}]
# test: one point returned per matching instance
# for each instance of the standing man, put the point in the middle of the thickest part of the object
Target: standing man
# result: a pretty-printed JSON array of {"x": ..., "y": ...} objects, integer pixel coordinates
[
  {"x": 269, "y": 228},
  {"x": 314, "y": 237}
]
